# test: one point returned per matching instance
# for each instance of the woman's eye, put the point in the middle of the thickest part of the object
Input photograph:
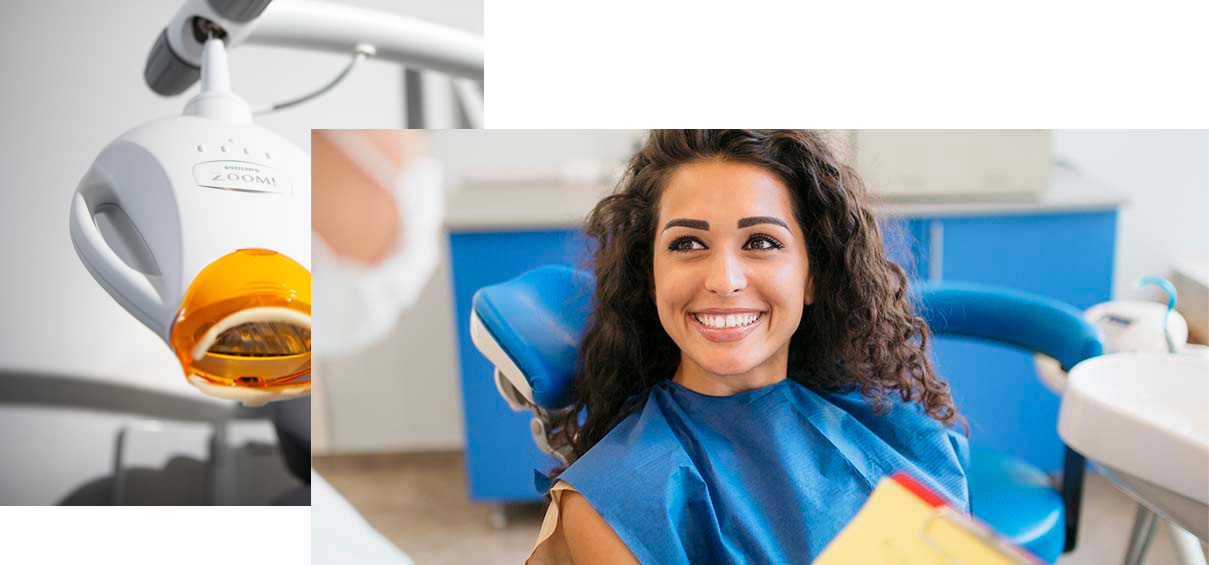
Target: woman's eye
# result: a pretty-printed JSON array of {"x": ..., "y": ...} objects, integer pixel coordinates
[
  {"x": 685, "y": 244},
  {"x": 761, "y": 242}
]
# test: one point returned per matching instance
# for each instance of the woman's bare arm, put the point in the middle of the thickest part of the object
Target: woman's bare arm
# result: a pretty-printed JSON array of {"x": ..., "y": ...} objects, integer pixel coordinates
[{"x": 589, "y": 537}]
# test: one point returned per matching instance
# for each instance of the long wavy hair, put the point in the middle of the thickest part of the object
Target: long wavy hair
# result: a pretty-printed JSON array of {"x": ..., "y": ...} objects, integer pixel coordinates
[{"x": 861, "y": 332}]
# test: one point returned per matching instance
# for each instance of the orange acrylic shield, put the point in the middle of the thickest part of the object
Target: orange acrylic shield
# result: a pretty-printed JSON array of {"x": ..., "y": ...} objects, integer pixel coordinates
[{"x": 243, "y": 330}]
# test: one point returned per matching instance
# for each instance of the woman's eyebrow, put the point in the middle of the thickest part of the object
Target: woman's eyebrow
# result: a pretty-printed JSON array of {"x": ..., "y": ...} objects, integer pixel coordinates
[
  {"x": 685, "y": 222},
  {"x": 753, "y": 220}
]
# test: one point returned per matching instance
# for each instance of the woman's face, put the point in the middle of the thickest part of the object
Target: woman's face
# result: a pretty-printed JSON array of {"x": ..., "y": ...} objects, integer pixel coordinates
[{"x": 731, "y": 274}]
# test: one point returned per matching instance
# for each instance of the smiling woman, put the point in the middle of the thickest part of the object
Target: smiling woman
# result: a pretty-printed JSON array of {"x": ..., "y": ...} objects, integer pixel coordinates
[
  {"x": 751, "y": 366},
  {"x": 732, "y": 296}
]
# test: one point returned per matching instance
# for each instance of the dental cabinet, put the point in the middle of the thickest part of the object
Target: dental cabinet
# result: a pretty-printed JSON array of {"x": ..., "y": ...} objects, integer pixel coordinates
[{"x": 1060, "y": 243}]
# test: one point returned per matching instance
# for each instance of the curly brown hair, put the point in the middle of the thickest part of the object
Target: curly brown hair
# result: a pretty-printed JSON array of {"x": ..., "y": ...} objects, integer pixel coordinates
[{"x": 861, "y": 332}]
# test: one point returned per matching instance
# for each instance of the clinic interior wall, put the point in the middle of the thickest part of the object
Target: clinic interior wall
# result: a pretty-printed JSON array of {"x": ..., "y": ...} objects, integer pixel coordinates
[
  {"x": 1164, "y": 176},
  {"x": 532, "y": 153},
  {"x": 74, "y": 83}
]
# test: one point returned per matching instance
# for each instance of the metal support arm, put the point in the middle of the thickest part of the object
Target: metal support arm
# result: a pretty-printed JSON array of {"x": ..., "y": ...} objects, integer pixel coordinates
[{"x": 326, "y": 26}]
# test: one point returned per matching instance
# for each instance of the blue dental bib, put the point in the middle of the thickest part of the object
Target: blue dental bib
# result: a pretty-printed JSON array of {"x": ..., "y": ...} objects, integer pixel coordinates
[{"x": 769, "y": 475}]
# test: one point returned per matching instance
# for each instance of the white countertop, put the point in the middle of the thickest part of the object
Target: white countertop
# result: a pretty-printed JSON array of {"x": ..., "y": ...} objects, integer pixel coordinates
[{"x": 556, "y": 207}]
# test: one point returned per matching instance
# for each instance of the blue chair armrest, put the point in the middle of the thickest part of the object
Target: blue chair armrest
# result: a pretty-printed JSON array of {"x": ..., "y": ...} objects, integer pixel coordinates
[{"x": 1029, "y": 321}]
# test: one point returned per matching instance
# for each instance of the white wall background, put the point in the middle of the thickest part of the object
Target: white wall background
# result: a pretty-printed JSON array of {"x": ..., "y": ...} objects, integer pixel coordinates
[
  {"x": 1165, "y": 176},
  {"x": 74, "y": 82},
  {"x": 502, "y": 154}
]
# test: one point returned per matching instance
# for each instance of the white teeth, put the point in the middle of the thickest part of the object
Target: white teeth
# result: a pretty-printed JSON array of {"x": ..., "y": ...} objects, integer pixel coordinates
[{"x": 728, "y": 321}]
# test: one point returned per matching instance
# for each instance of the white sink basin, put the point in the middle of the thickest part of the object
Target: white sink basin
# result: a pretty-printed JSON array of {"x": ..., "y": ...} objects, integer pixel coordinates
[{"x": 1146, "y": 414}]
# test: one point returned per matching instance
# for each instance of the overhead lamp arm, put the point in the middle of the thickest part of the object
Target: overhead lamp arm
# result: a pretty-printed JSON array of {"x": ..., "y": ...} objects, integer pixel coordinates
[{"x": 175, "y": 59}]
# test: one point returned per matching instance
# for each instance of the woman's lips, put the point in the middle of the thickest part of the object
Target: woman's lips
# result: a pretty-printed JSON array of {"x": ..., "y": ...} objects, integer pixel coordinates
[{"x": 723, "y": 335}]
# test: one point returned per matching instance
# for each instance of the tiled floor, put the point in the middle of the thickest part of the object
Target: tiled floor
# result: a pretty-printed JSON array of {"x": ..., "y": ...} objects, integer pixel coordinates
[{"x": 419, "y": 502}]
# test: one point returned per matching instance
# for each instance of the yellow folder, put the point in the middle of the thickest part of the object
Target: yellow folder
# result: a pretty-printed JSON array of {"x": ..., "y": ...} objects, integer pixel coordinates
[{"x": 905, "y": 523}]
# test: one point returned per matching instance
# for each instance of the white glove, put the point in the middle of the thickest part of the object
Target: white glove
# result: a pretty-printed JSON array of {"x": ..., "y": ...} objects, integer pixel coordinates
[{"x": 355, "y": 305}]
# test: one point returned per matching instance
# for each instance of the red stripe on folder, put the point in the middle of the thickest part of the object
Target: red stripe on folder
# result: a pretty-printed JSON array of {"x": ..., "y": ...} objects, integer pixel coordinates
[{"x": 919, "y": 489}]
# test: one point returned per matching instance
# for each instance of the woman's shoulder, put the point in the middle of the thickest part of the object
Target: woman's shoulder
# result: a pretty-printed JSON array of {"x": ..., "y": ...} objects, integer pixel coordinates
[{"x": 632, "y": 476}]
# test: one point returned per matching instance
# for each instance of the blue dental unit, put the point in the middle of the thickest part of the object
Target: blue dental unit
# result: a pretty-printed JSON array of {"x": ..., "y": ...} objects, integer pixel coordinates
[{"x": 1062, "y": 252}]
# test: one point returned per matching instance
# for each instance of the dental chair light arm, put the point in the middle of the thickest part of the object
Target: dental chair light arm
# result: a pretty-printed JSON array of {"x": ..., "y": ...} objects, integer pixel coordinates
[
  {"x": 326, "y": 26},
  {"x": 174, "y": 62}
]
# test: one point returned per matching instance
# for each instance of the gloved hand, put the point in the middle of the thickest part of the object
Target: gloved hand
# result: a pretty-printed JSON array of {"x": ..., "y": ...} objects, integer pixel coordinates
[{"x": 376, "y": 211}]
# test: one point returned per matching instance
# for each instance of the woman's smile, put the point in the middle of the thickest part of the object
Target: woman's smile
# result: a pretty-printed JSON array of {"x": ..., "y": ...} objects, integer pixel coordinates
[{"x": 726, "y": 325}]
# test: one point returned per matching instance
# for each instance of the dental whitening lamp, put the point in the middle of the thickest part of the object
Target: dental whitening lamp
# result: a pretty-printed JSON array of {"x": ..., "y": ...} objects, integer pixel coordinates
[{"x": 199, "y": 224}]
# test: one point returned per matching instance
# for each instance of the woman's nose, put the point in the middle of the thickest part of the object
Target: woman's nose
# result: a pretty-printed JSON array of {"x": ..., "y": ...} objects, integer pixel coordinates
[{"x": 726, "y": 274}]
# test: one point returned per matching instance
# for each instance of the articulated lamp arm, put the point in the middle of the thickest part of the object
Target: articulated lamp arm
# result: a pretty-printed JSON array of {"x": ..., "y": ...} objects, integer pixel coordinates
[{"x": 175, "y": 59}]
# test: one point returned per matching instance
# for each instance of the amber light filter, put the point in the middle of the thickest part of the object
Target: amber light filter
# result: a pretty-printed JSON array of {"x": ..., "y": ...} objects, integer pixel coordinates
[{"x": 243, "y": 330}]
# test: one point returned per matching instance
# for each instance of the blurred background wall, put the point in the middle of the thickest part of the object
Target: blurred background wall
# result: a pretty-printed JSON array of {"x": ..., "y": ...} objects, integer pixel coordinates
[{"x": 1165, "y": 177}]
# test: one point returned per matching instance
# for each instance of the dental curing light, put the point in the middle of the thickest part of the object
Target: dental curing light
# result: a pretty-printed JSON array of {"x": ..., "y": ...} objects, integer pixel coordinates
[{"x": 199, "y": 226}]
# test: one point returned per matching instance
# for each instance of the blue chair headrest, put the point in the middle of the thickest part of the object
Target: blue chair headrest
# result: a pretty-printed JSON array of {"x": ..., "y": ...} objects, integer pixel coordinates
[
  {"x": 1029, "y": 321},
  {"x": 538, "y": 319}
]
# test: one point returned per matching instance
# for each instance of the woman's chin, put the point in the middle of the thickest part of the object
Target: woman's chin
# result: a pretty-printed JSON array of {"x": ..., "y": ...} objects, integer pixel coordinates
[{"x": 728, "y": 368}]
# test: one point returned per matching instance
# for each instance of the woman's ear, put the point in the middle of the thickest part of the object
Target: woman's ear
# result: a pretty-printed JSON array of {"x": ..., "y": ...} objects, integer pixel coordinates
[{"x": 809, "y": 298}]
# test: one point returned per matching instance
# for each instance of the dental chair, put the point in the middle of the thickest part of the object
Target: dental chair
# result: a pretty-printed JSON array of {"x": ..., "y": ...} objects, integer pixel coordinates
[{"x": 530, "y": 327}]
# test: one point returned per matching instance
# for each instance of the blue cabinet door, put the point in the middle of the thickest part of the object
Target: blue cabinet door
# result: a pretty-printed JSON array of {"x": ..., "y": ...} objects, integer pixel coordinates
[
  {"x": 500, "y": 453},
  {"x": 1065, "y": 256},
  {"x": 906, "y": 243}
]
